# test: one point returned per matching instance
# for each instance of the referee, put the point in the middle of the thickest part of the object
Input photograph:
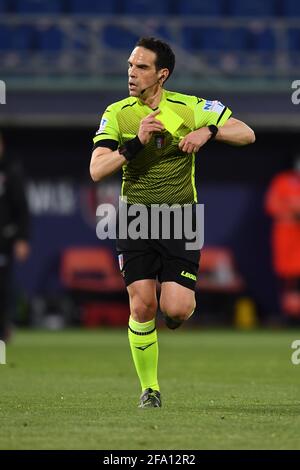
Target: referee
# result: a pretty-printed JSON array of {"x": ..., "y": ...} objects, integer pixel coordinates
[{"x": 153, "y": 135}]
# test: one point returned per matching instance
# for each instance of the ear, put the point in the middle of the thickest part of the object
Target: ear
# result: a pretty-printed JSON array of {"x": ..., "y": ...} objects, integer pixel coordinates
[{"x": 164, "y": 74}]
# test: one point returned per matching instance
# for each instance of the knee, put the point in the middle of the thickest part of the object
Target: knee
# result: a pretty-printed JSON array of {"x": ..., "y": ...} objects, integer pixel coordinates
[
  {"x": 179, "y": 312},
  {"x": 142, "y": 310}
]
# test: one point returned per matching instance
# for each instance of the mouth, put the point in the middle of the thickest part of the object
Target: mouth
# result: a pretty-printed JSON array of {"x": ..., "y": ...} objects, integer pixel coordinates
[{"x": 132, "y": 86}]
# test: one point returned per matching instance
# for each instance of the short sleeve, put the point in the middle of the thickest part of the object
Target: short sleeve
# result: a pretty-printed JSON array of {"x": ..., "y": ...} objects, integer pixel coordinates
[
  {"x": 209, "y": 112},
  {"x": 108, "y": 129}
]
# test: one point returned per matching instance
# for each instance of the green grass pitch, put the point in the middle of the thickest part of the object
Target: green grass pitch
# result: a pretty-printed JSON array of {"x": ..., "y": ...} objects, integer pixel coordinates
[{"x": 220, "y": 390}]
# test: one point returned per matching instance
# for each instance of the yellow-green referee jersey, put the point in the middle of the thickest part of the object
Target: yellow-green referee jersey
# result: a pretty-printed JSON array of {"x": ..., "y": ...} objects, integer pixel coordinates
[{"x": 161, "y": 172}]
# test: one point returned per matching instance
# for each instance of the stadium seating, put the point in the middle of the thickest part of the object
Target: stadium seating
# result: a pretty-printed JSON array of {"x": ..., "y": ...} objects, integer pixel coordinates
[
  {"x": 49, "y": 38},
  {"x": 245, "y": 43},
  {"x": 23, "y": 38},
  {"x": 294, "y": 39},
  {"x": 214, "y": 39},
  {"x": 118, "y": 37},
  {"x": 92, "y": 6},
  {"x": 261, "y": 39},
  {"x": 145, "y": 7},
  {"x": 91, "y": 269},
  {"x": 253, "y": 8},
  {"x": 291, "y": 8},
  {"x": 5, "y": 38},
  {"x": 38, "y": 6},
  {"x": 294, "y": 46},
  {"x": 194, "y": 7},
  {"x": 3, "y": 6},
  {"x": 96, "y": 314},
  {"x": 217, "y": 271},
  {"x": 92, "y": 278}
]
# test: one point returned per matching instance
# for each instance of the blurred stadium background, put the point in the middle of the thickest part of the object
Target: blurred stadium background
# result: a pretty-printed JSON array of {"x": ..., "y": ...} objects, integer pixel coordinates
[{"x": 63, "y": 62}]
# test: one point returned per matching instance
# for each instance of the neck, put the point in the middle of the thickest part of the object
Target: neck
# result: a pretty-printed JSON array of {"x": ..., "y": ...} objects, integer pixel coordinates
[{"x": 154, "y": 97}]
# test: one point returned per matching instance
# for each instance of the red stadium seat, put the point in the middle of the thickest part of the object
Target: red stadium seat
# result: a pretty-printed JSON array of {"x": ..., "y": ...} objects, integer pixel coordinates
[
  {"x": 291, "y": 303},
  {"x": 92, "y": 277},
  {"x": 105, "y": 314},
  {"x": 91, "y": 269},
  {"x": 217, "y": 271}
]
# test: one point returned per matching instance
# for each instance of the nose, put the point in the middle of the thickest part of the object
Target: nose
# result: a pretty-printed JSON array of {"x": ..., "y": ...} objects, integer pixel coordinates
[{"x": 132, "y": 72}]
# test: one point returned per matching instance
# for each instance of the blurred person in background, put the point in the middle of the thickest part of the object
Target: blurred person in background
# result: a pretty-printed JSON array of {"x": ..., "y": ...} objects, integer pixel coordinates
[
  {"x": 154, "y": 136},
  {"x": 14, "y": 221},
  {"x": 283, "y": 205}
]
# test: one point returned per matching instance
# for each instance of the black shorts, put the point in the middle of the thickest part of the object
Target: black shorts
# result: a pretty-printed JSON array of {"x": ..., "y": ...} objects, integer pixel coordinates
[{"x": 162, "y": 259}]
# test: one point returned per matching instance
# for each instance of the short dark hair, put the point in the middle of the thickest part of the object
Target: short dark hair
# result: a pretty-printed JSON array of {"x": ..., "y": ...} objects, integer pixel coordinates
[{"x": 165, "y": 57}]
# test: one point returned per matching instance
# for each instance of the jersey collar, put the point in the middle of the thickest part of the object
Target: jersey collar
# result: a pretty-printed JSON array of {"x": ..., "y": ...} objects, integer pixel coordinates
[{"x": 162, "y": 100}]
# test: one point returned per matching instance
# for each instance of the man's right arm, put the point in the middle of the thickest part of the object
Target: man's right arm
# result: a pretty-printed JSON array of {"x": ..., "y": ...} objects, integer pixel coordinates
[{"x": 105, "y": 162}]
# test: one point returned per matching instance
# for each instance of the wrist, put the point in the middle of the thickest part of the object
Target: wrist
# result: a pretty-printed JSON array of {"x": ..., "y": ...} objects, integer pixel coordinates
[
  {"x": 131, "y": 148},
  {"x": 213, "y": 131}
]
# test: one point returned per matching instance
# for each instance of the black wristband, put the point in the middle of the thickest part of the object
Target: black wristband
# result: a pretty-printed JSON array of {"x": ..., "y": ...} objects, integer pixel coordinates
[
  {"x": 131, "y": 148},
  {"x": 214, "y": 130}
]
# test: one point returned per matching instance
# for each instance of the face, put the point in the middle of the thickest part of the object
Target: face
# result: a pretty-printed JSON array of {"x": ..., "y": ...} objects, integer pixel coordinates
[{"x": 142, "y": 73}]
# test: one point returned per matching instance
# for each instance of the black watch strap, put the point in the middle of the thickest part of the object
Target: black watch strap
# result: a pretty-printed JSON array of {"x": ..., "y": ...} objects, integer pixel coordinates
[
  {"x": 214, "y": 130},
  {"x": 131, "y": 148}
]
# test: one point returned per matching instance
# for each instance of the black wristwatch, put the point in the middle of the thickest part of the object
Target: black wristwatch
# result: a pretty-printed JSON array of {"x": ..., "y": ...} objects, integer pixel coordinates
[
  {"x": 214, "y": 130},
  {"x": 131, "y": 148}
]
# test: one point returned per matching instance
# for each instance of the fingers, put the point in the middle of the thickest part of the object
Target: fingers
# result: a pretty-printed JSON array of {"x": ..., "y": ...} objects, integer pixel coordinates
[
  {"x": 188, "y": 147},
  {"x": 155, "y": 113},
  {"x": 151, "y": 129},
  {"x": 151, "y": 119},
  {"x": 153, "y": 126},
  {"x": 149, "y": 125}
]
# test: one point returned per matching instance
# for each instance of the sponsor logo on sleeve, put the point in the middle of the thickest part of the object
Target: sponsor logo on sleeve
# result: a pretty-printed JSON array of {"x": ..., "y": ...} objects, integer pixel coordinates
[
  {"x": 103, "y": 124},
  {"x": 214, "y": 106},
  {"x": 208, "y": 105}
]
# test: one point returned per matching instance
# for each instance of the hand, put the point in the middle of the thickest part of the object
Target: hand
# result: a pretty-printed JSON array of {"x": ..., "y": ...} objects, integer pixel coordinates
[
  {"x": 21, "y": 250},
  {"x": 193, "y": 141},
  {"x": 149, "y": 125}
]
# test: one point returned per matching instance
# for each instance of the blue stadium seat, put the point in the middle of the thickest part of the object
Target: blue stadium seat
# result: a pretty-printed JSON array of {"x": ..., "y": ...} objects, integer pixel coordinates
[
  {"x": 215, "y": 39},
  {"x": 38, "y": 6},
  {"x": 23, "y": 38},
  {"x": 145, "y": 7},
  {"x": 291, "y": 8},
  {"x": 196, "y": 7},
  {"x": 294, "y": 40},
  {"x": 3, "y": 6},
  {"x": 294, "y": 47},
  {"x": 262, "y": 39},
  {"x": 93, "y": 6},
  {"x": 256, "y": 8},
  {"x": 6, "y": 36},
  {"x": 49, "y": 39},
  {"x": 118, "y": 37},
  {"x": 162, "y": 32}
]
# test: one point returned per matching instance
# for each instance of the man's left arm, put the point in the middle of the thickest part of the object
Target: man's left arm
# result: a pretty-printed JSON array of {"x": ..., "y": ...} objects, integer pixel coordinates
[
  {"x": 212, "y": 116},
  {"x": 235, "y": 132}
]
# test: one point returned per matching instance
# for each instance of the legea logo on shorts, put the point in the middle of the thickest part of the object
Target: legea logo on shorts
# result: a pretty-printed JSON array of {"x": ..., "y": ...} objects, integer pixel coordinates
[
  {"x": 2, "y": 92},
  {"x": 2, "y": 353},
  {"x": 188, "y": 275},
  {"x": 158, "y": 221}
]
